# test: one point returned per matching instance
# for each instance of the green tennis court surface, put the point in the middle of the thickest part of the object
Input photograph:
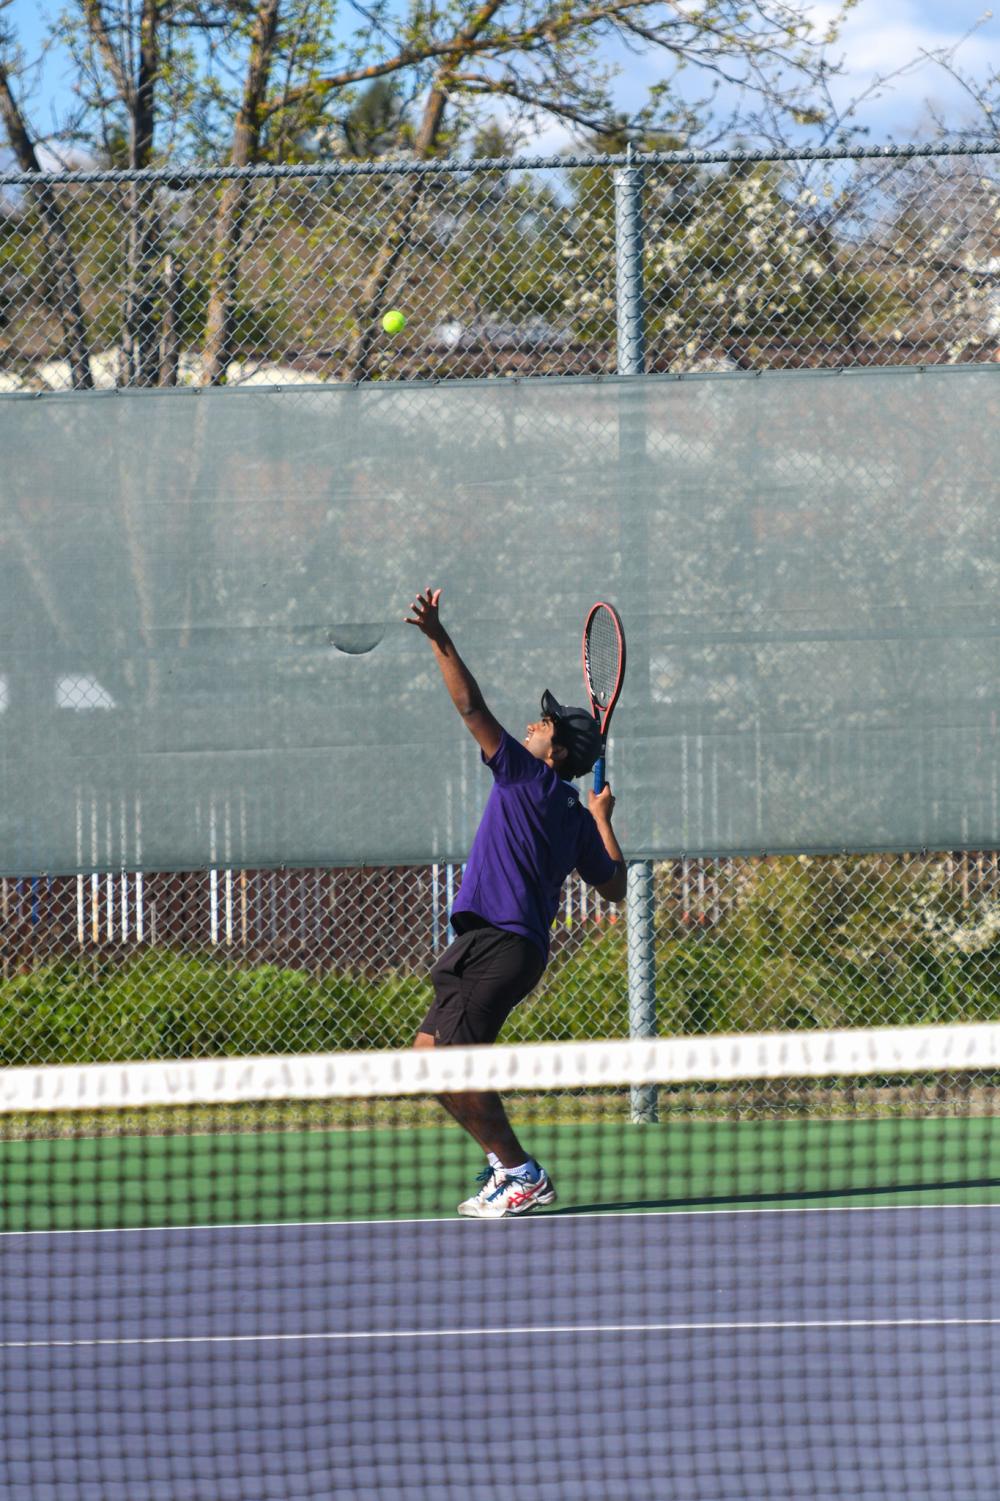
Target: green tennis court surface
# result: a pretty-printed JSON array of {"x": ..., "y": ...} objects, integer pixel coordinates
[{"x": 262, "y": 1177}]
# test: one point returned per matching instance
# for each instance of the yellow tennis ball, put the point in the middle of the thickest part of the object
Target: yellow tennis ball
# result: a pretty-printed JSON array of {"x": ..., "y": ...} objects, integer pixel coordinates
[{"x": 394, "y": 321}]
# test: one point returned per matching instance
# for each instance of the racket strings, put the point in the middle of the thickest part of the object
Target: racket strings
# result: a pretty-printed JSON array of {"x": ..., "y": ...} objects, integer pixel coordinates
[{"x": 603, "y": 656}]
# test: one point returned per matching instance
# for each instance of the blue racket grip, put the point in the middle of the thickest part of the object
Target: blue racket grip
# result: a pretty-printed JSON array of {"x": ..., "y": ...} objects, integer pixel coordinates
[{"x": 599, "y": 773}]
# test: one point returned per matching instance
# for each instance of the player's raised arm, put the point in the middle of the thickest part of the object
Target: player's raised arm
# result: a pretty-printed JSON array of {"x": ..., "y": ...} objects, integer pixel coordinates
[{"x": 462, "y": 686}]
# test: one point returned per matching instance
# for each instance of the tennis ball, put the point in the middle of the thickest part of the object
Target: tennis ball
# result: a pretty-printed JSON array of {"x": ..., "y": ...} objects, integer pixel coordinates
[{"x": 394, "y": 322}]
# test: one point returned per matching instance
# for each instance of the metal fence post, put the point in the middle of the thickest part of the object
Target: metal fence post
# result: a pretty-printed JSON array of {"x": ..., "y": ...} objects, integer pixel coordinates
[
  {"x": 630, "y": 334},
  {"x": 632, "y": 447},
  {"x": 641, "y": 977}
]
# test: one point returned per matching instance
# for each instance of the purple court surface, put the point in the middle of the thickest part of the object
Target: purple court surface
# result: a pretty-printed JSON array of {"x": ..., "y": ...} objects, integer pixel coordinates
[{"x": 765, "y": 1355}]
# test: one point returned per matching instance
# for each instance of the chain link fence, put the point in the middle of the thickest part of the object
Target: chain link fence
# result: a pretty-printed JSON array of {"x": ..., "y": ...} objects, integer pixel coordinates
[
  {"x": 281, "y": 276},
  {"x": 119, "y": 966}
]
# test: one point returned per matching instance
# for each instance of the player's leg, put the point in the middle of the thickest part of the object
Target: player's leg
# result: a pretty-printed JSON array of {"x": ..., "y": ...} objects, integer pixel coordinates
[
  {"x": 477, "y": 982},
  {"x": 511, "y": 1182},
  {"x": 483, "y": 1116}
]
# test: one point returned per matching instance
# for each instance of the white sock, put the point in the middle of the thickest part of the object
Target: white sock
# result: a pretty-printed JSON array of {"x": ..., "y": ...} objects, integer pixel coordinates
[{"x": 527, "y": 1169}]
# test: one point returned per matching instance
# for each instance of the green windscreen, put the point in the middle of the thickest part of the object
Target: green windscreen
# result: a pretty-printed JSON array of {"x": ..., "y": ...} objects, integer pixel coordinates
[{"x": 203, "y": 657}]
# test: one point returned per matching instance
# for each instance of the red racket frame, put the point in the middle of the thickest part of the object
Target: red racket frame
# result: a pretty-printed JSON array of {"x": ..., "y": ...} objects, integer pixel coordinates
[{"x": 603, "y": 716}]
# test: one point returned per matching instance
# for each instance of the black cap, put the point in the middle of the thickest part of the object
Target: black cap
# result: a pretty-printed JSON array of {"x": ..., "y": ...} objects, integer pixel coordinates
[{"x": 578, "y": 731}]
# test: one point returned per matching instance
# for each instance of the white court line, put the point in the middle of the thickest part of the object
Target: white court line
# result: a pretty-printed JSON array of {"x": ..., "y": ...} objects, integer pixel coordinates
[
  {"x": 493, "y": 1333},
  {"x": 534, "y": 1219}
]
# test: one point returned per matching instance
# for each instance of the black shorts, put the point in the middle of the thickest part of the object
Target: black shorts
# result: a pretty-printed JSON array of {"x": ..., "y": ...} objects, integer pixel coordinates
[{"x": 478, "y": 981}]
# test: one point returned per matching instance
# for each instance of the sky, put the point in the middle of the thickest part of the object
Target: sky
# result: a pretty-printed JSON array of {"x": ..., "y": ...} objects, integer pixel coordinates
[{"x": 879, "y": 37}]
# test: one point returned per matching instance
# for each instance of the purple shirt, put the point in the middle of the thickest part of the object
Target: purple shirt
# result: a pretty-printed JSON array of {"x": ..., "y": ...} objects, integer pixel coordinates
[{"x": 533, "y": 832}]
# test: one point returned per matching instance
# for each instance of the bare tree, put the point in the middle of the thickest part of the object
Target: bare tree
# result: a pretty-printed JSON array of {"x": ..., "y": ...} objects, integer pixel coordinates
[
  {"x": 62, "y": 263},
  {"x": 231, "y": 213},
  {"x": 138, "y": 77},
  {"x": 132, "y": 63}
]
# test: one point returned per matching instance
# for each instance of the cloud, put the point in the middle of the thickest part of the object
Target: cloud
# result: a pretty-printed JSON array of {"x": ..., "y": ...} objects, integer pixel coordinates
[{"x": 882, "y": 37}]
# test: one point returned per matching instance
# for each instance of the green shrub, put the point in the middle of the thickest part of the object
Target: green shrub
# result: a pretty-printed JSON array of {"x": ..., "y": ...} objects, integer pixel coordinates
[
  {"x": 166, "y": 1005},
  {"x": 828, "y": 942},
  {"x": 801, "y": 943}
]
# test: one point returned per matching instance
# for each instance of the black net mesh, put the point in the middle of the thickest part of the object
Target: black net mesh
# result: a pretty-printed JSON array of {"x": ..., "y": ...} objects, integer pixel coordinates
[{"x": 248, "y": 1278}]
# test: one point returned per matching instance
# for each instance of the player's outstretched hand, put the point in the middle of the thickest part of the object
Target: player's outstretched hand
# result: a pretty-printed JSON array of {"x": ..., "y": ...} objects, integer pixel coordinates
[
  {"x": 425, "y": 615},
  {"x": 602, "y": 804}
]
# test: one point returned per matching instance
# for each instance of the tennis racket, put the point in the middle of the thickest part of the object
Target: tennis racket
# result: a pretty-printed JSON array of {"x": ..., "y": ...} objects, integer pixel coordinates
[{"x": 603, "y": 671}]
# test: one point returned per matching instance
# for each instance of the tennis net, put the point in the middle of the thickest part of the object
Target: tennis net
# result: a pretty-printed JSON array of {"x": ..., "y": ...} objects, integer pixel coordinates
[{"x": 245, "y": 1279}]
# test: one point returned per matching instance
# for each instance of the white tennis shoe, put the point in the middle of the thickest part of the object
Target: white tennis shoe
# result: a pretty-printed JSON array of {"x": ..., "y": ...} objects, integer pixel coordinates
[
  {"x": 487, "y": 1179},
  {"x": 503, "y": 1194}
]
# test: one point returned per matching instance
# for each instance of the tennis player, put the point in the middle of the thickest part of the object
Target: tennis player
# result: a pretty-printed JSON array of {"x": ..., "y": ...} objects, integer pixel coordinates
[{"x": 533, "y": 832}]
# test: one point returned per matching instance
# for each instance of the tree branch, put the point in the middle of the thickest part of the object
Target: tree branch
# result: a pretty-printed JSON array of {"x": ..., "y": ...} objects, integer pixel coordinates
[
  {"x": 97, "y": 26},
  {"x": 466, "y": 44},
  {"x": 56, "y": 238},
  {"x": 477, "y": 83}
]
